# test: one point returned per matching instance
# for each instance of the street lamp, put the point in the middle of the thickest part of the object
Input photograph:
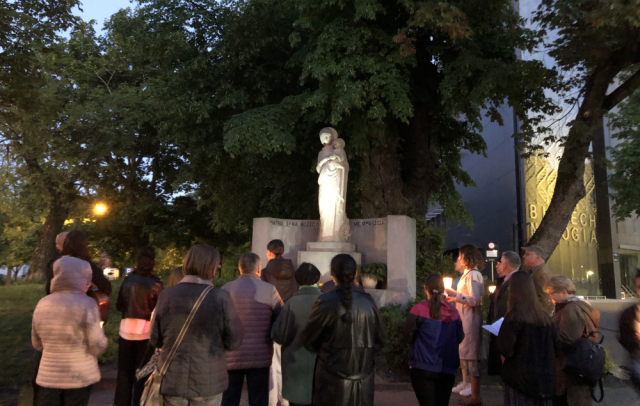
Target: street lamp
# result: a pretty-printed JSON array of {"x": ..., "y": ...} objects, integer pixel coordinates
[
  {"x": 100, "y": 209},
  {"x": 492, "y": 288}
]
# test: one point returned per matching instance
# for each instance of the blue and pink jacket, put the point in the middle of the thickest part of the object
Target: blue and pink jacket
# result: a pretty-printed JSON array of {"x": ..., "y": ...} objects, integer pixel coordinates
[{"x": 434, "y": 343}]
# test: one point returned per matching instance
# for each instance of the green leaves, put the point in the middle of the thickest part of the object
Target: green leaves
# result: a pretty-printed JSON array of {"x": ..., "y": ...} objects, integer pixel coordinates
[
  {"x": 625, "y": 127},
  {"x": 269, "y": 128}
]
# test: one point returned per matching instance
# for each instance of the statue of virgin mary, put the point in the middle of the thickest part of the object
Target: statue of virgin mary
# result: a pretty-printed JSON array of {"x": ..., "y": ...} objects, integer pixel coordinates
[{"x": 333, "y": 170}]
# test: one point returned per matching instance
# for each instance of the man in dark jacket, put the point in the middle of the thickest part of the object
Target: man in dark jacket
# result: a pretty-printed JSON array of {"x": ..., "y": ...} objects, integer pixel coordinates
[
  {"x": 97, "y": 275},
  {"x": 280, "y": 273},
  {"x": 508, "y": 264},
  {"x": 49, "y": 271},
  {"x": 258, "y": 304},
  {"x": 534, "y": 259}
]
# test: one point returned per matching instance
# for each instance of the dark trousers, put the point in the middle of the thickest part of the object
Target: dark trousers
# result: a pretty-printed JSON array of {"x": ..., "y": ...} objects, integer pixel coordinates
[
  {"x": 36, "y": 387},
  {"x": 62, "y": 397},
  {"x": 131, "y": 356},
  {"x": 257, "y": 386},
  {"x": 432, "y": 388},
  {"x": 299, "y": 404}
]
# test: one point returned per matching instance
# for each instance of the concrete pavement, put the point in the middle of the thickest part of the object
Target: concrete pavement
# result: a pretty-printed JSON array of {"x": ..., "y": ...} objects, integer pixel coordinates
[{"x": 617, "y": 393}]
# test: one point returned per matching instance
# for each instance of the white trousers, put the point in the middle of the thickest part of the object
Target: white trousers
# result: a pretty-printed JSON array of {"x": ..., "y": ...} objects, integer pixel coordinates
[{"x": 275, "y": 378}]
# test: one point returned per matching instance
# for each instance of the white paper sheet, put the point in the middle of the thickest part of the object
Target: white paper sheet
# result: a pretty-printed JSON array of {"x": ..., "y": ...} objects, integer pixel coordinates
[{"x": 495, "y": 327}]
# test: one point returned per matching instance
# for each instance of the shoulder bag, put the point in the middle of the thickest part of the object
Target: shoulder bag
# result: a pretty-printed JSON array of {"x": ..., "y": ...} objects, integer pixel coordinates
[{"x": 151, "y": 395}]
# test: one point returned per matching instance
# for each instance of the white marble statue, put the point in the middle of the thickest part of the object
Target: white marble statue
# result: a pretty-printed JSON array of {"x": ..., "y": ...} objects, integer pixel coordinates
[{"x": 333, "y": 170}]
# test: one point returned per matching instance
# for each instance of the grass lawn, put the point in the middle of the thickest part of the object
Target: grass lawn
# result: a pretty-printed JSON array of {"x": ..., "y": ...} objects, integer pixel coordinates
[{"x": 17, "y": 356}]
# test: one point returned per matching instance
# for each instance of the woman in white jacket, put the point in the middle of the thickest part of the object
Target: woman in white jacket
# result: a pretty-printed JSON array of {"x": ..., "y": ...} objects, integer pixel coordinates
[{"x": 66, "y": 328}]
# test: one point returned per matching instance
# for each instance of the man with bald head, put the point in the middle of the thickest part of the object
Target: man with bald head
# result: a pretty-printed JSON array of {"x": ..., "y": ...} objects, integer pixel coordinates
[
  {"x": 60, "y": 240},
  {"x": 49, "y": 272}
]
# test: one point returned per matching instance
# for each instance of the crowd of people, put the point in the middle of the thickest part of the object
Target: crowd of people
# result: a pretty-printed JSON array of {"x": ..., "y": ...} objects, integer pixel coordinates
[{"x": 298, "y": 342}]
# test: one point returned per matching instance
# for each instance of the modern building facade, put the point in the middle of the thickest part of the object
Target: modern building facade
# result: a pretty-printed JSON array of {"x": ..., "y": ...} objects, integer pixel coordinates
[{"x": 512, "y": 195}]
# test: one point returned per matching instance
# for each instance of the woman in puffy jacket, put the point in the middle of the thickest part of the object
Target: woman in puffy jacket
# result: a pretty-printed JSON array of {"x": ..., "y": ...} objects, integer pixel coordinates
[
  {"x": 345, "y": 329},
  {"x": 66, "y": 328},
  {"x": 434, "y": 330},
  {"x": 137, "y": 298}
]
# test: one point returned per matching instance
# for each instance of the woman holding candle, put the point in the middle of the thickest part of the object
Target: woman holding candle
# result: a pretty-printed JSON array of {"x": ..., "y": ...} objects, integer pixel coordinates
[{"x": 468, "y": 300}]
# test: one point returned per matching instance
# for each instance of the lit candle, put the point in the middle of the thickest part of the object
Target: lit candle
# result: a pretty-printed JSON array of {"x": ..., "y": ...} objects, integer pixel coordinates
[
  {"x": 492, "y": 288},
  {"x": 448, "y": 282}
]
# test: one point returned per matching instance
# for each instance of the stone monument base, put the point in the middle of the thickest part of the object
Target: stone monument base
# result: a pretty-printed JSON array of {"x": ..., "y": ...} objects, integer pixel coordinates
[
  {"x": 391, "y": 240},
  {"x": 320, "y": 254}
]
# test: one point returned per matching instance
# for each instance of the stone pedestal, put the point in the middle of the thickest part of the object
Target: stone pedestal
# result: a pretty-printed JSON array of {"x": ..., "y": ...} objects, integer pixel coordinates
[
  {"x": 391, "y": 240},
  {"x": 320, "y": 254}
]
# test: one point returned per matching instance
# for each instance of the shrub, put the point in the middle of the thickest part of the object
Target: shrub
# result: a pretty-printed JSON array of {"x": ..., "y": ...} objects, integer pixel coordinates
[
  {"x": 396, "y": 349},
  {"x": 609, "y": 365},
  {"x": 376, "y": 270},
  {"x": 430, "y": 256}
]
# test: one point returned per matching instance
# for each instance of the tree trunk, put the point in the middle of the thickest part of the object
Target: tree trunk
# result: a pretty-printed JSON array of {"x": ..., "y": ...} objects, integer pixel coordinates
[
  {"x": 46, "y": 246},
  {"x": 8, "y": 280},
  {"x": 569, "y": 189},
  {"x": 381, "y": 177}
]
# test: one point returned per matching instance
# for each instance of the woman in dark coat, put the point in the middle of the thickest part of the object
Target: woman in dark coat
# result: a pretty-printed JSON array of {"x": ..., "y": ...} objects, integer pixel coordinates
[
  {"x": 527, "y": 344},
  {"x": 345, "y": 328},
  {"x": 136, "y": 300},
  {"x": 298, "y": 363},
  {"x": 198, "y": 373},
  {"x": 630, "y": 334}
]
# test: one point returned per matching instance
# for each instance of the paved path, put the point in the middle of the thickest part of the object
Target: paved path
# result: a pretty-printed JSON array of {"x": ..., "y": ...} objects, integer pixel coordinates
[
  {"x": 386, "y": 394},
  {"x": 403, "y": 397}
]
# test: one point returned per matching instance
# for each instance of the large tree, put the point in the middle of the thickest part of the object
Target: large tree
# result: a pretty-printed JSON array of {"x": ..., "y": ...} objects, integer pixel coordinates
[
  {"x": 27, "y": 29},
  {"x": 405, "y": 83},
  {"x": 595, "y": 42}
]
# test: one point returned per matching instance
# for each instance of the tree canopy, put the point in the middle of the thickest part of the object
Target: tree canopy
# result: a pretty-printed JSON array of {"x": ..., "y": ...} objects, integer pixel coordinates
[{"x": 189, "y": 118}]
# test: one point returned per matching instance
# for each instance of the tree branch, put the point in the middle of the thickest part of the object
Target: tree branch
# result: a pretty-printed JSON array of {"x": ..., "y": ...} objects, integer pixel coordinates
[{"x": 622, "y": 92}]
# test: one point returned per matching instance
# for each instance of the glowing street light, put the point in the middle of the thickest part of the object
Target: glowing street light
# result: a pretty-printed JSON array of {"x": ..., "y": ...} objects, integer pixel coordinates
[
  {"x": 492, "y": 288},
  {"x": 100, "y": 209}
]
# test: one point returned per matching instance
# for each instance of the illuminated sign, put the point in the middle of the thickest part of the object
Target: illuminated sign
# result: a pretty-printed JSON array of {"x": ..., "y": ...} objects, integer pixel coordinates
[{"x": 576, "y": 253}]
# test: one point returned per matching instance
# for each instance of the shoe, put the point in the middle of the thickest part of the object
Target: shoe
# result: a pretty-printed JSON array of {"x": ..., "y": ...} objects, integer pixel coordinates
[
  {"x": 466, "y": 391},
  {"x": 470, "y": 401},
  {"x": 461, "y": 386}
]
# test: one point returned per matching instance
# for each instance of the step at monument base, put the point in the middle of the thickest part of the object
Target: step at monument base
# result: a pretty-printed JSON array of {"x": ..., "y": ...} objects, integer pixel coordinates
[{"x": 322, "y": 261}]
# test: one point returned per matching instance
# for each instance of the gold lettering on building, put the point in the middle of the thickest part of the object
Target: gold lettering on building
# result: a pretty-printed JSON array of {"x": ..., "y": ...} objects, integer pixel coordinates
[
  {"x": 574, "y": 220},
  {"x": 583, "y": 221},
  {"x": 575, "y": 234}
]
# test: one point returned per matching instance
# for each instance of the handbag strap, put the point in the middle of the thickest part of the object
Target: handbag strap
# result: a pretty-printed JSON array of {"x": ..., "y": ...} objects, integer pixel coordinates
[
  {"x": 592, "y": 392},
  {"x": 174, "y": 349}
]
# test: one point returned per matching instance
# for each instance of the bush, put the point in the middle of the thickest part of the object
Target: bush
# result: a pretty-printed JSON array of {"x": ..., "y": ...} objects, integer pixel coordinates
[
  {"x": 430, "y": 257},
  {"x": 112, "y": 327},
  {"x": 609, "y": 365},
  {"x": 396, "y": 349}
]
